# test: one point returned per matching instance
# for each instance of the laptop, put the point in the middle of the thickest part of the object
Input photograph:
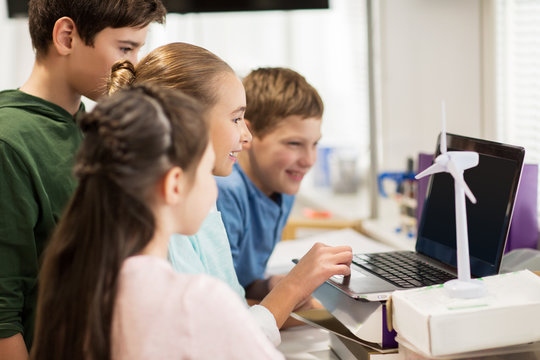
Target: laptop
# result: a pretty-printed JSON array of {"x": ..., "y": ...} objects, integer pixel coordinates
[{"x": 494, "y": 182}]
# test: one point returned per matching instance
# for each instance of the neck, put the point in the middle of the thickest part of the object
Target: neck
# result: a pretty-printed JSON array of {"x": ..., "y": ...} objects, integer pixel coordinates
[
  {"x": 159, "y": 245},
  {"x": 248, "y": 166},
  {"x": 48, "y": 81}
]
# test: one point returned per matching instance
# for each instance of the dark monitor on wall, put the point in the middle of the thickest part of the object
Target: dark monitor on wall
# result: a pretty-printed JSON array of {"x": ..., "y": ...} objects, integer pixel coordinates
[
  {"x": 19, "y": 8},
  {"x": 187, "y": 6}
]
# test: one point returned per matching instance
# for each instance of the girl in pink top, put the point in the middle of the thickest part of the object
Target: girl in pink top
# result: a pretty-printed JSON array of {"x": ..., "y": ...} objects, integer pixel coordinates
[{"x": 106, "y": 290}]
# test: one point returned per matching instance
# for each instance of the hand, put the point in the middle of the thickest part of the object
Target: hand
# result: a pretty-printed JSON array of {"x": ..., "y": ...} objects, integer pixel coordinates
[{"x": 317, "y": 266}]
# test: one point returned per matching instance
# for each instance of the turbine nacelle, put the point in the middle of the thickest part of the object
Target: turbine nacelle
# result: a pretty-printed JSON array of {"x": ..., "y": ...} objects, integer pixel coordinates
[{"x": 454, "y": 162}]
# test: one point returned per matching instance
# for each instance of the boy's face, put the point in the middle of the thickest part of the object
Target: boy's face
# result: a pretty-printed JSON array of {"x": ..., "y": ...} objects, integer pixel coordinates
[
  {"x": 279, "y": 160},
  {"x": 228, "y": 129},
  {"x": 90, "y": 66}
]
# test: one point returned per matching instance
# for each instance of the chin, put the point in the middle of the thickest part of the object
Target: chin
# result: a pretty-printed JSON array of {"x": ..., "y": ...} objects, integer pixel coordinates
[
  {"x": 291, "y": 190},
  {"x": 223, "y": 171}
]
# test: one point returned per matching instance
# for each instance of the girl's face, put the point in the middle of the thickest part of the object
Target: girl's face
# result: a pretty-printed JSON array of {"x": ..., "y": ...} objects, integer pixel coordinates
[
  {"x": 228, "y": 130},
  {"x": 200, "y": 194}
]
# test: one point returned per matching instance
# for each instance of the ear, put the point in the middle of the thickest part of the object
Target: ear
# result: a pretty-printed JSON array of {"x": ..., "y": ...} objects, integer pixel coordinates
[
  {"x": 63, "y": 34},
  {"x": 173, "y": 186}
]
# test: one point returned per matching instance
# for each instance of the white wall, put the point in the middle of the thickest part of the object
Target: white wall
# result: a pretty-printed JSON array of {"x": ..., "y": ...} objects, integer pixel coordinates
[
  {"x": 429, "y": 50},
  {"x": 16, "y": 55}
]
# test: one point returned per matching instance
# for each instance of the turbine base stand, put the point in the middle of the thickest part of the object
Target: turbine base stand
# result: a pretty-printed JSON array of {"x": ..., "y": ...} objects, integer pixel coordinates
[{"x": 465, "y": 289}]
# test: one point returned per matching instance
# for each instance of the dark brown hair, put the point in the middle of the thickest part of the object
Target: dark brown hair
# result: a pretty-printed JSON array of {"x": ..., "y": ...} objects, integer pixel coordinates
[
  {"x": 182, "y": 66},
  {"x": 131, "y": 140},
  {"x": 90, "y": 17},
  {"x": 273, "y": 94}
]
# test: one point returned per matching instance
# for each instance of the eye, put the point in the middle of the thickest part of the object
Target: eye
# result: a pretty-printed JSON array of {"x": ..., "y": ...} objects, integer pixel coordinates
[
  {"x": 294, "y": 143},
  {"x": 237, "y": 120},
  {"x": 126, "y": 50}
]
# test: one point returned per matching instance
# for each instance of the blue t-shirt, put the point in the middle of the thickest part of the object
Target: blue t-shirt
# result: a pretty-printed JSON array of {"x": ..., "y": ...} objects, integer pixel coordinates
[
  {"x": 254, "y": 222},
  {"x": 206, "y": 252}
]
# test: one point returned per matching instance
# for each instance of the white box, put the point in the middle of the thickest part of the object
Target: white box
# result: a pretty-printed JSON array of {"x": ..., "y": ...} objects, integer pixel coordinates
[{"x": 437, "y": 325}]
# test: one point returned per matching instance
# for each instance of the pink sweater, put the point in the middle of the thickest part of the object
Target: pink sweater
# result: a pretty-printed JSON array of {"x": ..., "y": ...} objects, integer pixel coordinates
[{"x": 161, "y": 314}]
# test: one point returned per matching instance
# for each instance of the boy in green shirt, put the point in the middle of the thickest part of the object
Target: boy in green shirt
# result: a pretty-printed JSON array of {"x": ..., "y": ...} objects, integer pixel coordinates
[{"x": 76, "y": 43}]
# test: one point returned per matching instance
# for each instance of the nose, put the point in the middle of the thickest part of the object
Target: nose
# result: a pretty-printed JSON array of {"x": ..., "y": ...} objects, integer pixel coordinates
[
  {"x": 245, "y": 134},
  {"x": 309, "y": 157},
  {"x": 133, "y": 57}
]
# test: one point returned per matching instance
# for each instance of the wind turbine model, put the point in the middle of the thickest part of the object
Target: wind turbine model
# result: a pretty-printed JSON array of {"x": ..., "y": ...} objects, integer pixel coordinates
[{"x": 455, "y": 162}]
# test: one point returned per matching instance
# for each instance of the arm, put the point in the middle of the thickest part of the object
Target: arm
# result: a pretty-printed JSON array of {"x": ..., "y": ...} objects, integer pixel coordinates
[
  {"x": 13, "y": 348},
  {"x": 319, "y": 264},
  {"x": 258, "y": 289},
  {"x": 18, "y": 260}
]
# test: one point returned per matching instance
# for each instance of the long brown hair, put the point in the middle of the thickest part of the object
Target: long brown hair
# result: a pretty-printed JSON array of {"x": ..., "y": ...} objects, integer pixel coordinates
[
  {"x": 131, "y": 140},
  {"x": 190, "y": 68}
]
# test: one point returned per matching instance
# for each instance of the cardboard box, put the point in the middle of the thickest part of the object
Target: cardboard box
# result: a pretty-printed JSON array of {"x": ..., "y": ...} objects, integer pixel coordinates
[{"x": 436, "y": 324}]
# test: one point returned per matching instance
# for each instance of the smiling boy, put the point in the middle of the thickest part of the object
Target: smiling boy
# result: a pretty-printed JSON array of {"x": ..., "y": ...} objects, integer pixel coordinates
[
  {"x": 284, "y": 115},
  {"x": 76, "y": 43}
]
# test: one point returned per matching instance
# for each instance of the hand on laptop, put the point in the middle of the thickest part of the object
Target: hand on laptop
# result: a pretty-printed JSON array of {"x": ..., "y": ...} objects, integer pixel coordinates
[{"x": 318, "y": 265}]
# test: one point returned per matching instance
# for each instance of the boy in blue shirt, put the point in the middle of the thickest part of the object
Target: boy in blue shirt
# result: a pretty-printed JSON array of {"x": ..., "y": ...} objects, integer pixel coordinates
[{"x": 284, "y": 114}]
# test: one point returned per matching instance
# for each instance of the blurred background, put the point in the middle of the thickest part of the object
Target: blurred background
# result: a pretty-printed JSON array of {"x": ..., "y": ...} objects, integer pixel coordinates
[{"x": 382, "y": 68}]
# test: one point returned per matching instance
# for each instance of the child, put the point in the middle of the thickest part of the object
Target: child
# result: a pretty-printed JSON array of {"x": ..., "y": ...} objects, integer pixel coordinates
[
  {"x": 106, "y": 289},
  {"x": 284, "y": 114},
  {"x": 76, "y": 43},
  {"x": 206, "y": 77}
]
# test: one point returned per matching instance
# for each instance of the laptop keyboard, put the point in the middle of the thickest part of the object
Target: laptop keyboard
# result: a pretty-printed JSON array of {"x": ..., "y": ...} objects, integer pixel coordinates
[{"x": 402, "y": 269}]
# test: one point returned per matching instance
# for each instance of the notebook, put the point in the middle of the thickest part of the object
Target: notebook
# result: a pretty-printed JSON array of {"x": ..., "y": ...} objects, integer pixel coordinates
[{"x": 494, "y": 182}]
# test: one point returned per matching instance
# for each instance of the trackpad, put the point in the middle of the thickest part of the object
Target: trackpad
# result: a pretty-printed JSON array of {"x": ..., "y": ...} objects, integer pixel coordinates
[{"x": 361, "y": 281}]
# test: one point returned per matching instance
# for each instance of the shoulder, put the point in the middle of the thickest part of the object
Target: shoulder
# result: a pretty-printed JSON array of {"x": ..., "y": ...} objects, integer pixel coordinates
[
  {"x": 157, "y": 276},
  {"x": 287, "y": 200}
]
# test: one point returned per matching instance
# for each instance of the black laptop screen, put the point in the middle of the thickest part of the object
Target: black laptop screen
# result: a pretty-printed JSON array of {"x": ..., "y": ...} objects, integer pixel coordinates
[{"x": 494, "y": 183}]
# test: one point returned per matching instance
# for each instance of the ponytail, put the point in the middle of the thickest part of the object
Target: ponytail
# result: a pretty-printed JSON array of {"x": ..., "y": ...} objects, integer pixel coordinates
[{"x": 122, "y": 76}]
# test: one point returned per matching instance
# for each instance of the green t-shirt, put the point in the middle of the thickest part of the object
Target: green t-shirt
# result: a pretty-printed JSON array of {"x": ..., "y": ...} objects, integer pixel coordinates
[{"x": 38, "y": 143}]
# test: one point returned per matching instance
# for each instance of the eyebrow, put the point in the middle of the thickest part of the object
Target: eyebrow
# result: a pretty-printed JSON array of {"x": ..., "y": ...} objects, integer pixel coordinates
[
  {"x": 129, "y": 42},
  {"x": 239, "y": 109}
]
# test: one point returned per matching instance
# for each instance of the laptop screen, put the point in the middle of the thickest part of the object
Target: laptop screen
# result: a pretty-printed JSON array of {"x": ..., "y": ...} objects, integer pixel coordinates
[{"x": 494, "y": 182}]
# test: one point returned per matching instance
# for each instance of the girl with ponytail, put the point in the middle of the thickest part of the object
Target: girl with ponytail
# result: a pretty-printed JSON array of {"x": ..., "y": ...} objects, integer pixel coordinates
[
  {"x": 203, "y": 75},
  {"x": 106, "y": 290}
]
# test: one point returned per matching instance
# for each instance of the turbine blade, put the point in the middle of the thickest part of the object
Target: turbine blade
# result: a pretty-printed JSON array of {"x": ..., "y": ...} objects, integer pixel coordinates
[
  {"x": 443, "y": 147},
  {"x": 458, "y": 177},
  {"x": 433, "y": 169}
]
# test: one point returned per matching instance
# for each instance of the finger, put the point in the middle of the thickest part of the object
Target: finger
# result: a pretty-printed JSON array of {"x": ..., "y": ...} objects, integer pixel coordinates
[
  {"x": 342, "y": 258},
  {"x": 339, "y": 249},
  {"x": 342, "y": 269}
]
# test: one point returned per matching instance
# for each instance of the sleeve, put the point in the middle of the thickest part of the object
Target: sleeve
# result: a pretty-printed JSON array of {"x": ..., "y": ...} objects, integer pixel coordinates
[
  {"x": 18, "y": 253},
  {"x": 267, "y": 322},
  {"x": 233, "y": 214},
  {"x": 221, "y": 326}
]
